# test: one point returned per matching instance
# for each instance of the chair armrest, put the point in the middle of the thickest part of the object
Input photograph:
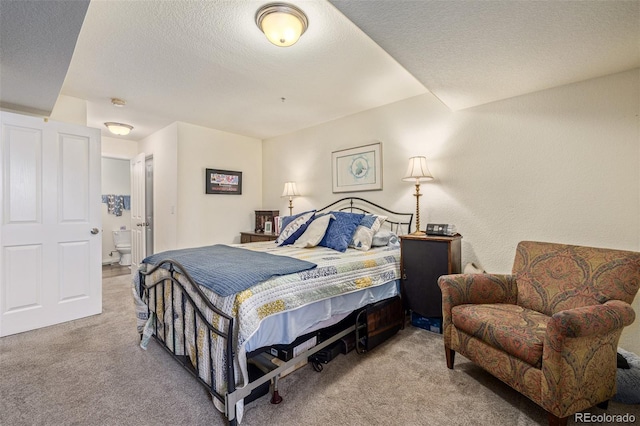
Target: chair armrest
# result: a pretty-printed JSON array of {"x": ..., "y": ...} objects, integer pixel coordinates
[
  {"x": 579, "y": 354},
  {"x": 591, "y": 320},
  {"x": 460, "y": 289}
]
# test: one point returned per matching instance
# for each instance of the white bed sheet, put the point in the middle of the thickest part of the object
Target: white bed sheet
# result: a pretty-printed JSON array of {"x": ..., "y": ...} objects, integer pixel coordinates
[{"x": 284, "y": 327}]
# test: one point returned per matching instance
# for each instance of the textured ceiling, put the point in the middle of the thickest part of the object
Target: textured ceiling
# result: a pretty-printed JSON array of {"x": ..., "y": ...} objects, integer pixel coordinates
[
  {"x": 469, "y": 53},
  {"x": 206, "y": 62},
  {"x": 36, "y": 43}
]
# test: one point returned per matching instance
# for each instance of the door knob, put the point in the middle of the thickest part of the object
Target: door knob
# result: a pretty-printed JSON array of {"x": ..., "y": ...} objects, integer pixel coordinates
[{"x": 94, "y": 231}]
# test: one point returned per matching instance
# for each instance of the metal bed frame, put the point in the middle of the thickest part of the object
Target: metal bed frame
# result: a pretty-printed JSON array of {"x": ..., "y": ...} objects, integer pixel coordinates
[{"x": 396, "y": 222}]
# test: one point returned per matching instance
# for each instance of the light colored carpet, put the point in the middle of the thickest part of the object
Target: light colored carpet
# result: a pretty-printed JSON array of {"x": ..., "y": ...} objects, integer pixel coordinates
[{"x": 92, "y": 372}]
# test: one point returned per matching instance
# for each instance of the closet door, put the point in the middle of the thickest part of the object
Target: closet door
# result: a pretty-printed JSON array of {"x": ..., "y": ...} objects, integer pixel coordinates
[{"x": 50, "y": 238}]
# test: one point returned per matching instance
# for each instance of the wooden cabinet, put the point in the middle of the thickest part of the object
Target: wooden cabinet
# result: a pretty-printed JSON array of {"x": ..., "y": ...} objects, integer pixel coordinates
[
  {"x": 254, "y": 237},
  {"x": 423, "y": 260}
]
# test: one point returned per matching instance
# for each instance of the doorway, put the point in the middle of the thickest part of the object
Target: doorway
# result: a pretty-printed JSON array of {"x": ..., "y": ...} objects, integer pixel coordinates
[{"x": 148, "y": 204}]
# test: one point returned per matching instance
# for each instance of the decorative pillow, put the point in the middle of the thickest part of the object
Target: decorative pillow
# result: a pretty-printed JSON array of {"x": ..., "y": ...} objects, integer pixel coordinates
[
  {"x": 293, "y": 227},
  {"x": 341, "y": 230},
  {"x": 314, "y": 232},
  {"x": 363, "y": 236},
  {"x": 383, "y": 238}
]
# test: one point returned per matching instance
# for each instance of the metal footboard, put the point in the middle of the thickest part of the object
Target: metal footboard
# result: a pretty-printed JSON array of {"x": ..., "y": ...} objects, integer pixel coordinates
[{"x": 159, "y": 288}]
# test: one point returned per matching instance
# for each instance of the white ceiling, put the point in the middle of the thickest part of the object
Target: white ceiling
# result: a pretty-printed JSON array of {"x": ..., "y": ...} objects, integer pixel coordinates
[
  {"x": 206, "y": 62},
  {"x": 471, "y": 52},
  {"x": 36, "y": 44}
]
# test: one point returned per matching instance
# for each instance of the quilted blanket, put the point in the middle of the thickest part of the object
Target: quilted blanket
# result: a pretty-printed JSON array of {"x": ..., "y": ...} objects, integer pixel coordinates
[{"x": 229, "y": 270}]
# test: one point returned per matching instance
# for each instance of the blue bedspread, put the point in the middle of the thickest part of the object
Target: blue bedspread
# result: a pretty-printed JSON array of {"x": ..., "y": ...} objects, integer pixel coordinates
[{"x": 229, "y": 270}]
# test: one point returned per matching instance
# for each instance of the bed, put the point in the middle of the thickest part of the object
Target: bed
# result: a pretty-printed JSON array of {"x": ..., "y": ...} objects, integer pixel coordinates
[{"x": 211, "y": 331}]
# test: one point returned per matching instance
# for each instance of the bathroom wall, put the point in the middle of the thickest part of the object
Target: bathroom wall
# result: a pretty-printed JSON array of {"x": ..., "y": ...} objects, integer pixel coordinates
[{"x": 115, "y": 180}]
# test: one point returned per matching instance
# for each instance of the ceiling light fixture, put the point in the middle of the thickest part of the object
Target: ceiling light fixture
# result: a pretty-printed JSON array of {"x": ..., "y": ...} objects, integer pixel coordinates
[
  {"x": 118, "y": 102},
  {"x": 282, "y": 23},
  {"x": 119, "y": 129}
]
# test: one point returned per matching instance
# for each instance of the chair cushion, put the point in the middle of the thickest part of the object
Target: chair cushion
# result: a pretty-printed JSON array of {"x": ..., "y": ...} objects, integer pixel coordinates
[{"x": 511, "y": 328}]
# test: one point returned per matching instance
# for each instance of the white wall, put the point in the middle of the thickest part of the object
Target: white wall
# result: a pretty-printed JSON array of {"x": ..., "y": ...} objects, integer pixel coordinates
[
  {"x": 557, "y": 165},
  {"x": 115, "y": 180},
  {"x": 205, "y": 219}
]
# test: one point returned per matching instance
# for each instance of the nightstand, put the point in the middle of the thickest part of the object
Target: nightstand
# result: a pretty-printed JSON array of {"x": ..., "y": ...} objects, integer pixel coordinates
[
  {"x": 423, "y": 260},
  {"x": 254, "y": 237}
]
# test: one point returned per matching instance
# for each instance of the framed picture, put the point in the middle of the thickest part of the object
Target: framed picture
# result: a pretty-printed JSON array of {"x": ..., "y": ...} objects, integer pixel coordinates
[
  {"x": 357, "y": 169},
  {"x": 268, "y": 227},
  {"x": 222, "y": 182}
]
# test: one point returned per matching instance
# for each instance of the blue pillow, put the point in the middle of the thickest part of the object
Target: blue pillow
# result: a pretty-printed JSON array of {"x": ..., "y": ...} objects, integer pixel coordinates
[
  {"x": 293, "y": 227},
  {"x": 341, "y": 230}
]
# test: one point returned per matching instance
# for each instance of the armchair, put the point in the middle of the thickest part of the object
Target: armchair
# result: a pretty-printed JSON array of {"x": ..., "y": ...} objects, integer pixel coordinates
[{"x": 549, "y": 330}]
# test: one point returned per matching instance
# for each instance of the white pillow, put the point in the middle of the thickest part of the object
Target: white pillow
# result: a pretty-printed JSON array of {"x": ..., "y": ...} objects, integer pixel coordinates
[
  {"x": 295, "y": 228},
  {"x": 384, "y": 237},
  {"x": 363, "y": 237},
  {"x": 314, "y": 232}
]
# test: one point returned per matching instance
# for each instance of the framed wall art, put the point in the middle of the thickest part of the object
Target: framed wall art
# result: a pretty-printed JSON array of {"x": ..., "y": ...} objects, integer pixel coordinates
[
  {"x": 223, "y": 182},
  {"x": 357, "y": 169}
]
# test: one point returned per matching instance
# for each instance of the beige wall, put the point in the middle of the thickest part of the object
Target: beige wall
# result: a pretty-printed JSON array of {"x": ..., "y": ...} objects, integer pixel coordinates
[
  {"x": 119, "y": 148},
  {"x": 70, "y": 110},
  {"x": 557, "y": 165},
  {"x": 163, "y": 146},
  {"x": 184, "y": 215},
  {"x": 205, "y": 219}
]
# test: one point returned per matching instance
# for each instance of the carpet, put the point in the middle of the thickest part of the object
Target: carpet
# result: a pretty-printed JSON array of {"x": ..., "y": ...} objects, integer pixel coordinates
[{"x": 92, "y": 372}]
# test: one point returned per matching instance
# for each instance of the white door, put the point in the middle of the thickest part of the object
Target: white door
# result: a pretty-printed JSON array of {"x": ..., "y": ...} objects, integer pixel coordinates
[
  {"x": 138, "y": 216},
  {"x": 50, "y": 266}
]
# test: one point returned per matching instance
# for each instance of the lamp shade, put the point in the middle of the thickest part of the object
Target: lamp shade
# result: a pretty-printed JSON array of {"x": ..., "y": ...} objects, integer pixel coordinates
[
  {"x": 119, "y": 129},
  {"x": 290, "y": 190},
  {"x": 417, "y": 170},
  {"x": 282, "y": 23}
]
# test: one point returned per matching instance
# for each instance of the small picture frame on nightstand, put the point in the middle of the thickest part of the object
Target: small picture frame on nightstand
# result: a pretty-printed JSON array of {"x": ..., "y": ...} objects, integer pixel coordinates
[
  {"x": 264, "y": 216},
  {"x": 268, "y": 227}
]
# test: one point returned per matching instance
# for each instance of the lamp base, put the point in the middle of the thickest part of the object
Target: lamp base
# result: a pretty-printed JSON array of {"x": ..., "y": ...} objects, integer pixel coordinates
[{"x": 418, "y": 233}]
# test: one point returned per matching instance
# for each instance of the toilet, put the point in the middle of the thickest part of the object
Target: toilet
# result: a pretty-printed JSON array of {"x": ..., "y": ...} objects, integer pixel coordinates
[{"x": 122, "y": 241}]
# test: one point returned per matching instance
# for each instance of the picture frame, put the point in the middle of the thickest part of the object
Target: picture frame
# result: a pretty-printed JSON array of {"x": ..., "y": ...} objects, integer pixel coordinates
[
  {"x": 268, "y": 227},
  {"x": 218, "y": 181},
  {"x": 357, "y": 169}
]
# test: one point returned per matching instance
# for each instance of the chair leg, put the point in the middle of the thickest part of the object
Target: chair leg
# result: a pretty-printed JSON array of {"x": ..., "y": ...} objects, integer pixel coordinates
[
  {"x": 604, "y": 405},
  {"x": 557, "y": 421},
  {"x": 450, "y": 355}
]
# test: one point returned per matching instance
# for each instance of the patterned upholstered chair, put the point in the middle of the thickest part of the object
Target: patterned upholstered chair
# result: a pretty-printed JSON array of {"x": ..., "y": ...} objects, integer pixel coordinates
[{"x": 549, "y": 330}]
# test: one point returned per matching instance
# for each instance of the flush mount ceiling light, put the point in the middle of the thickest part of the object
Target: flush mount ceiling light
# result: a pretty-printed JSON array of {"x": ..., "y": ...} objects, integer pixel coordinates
[
  {"x": 119, "y": 129},
  {"x": 118, "y": 102},
  {"x": 282, "y": 23}
]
